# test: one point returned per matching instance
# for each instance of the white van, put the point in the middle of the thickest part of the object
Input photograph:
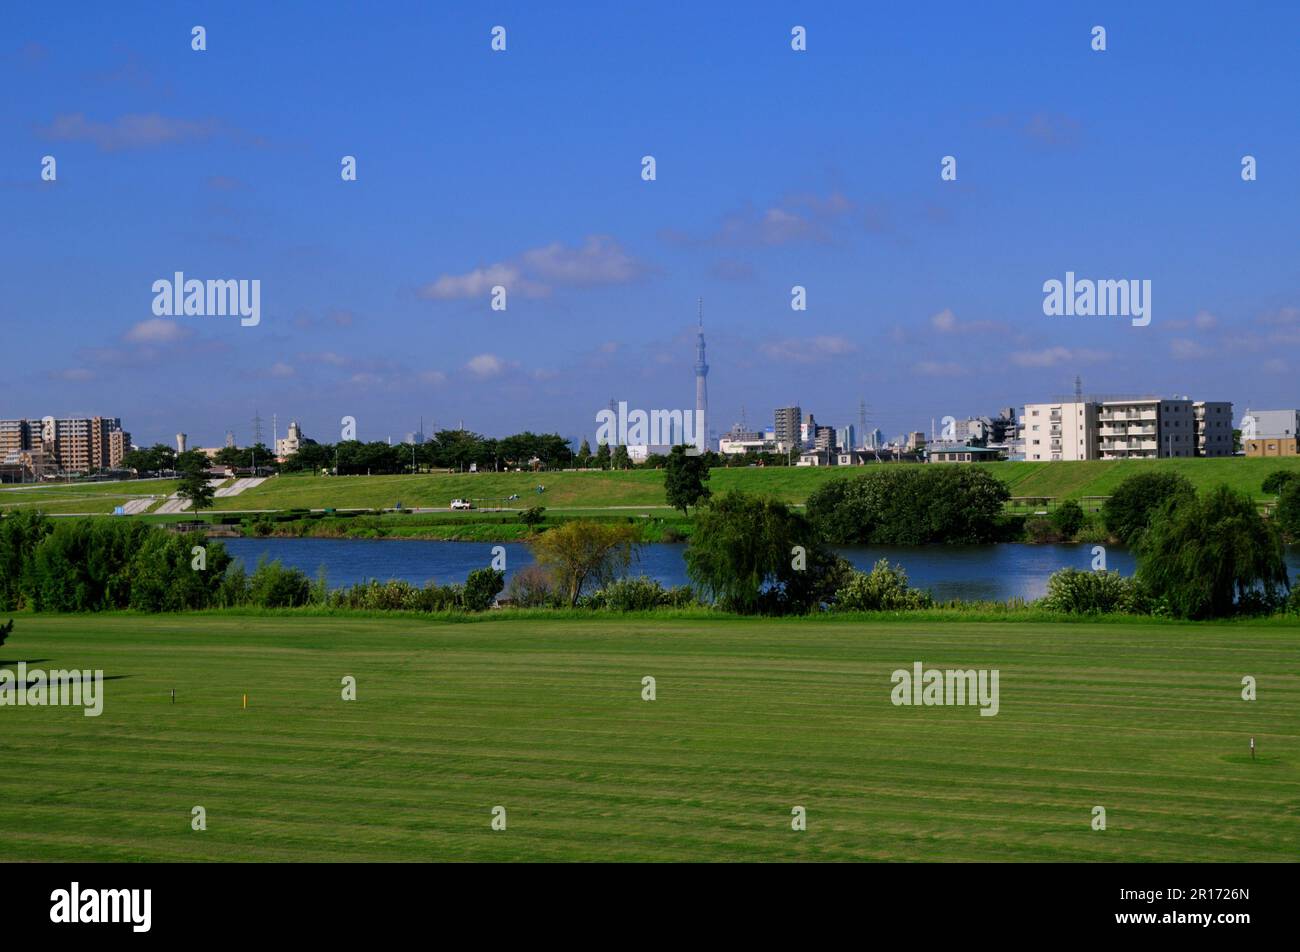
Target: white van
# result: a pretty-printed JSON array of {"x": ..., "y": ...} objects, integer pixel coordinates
[{"x": 461, "y": 504}]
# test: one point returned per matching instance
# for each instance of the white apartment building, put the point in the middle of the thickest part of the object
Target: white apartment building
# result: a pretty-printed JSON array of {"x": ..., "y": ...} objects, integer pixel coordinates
[{"x": 1059, "y": 431}]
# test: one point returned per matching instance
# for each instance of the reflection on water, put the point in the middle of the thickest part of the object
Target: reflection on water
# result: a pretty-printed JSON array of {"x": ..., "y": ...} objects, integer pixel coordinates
[{"x": 995, "y": 572}]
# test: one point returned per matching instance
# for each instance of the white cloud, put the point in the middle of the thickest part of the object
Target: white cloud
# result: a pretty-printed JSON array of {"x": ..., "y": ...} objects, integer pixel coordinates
[
  {"x": 1051, "y": 356},
  {"x": 281, "y": 369},
  {"x": 941, "y": 368},
  {"x": 807, "y": 350},
  {"x": 476, "y": 283},
  {"x": 600, "y": 260},
  {"x": 127, "y": 132},
  {"x": 945, "y": 322},
  {"x": 156, "y": 331},
  {"x": 485, "y": 365},
  {"x": 73, "y": 374},
  {"x": 1182, "y": 348}
]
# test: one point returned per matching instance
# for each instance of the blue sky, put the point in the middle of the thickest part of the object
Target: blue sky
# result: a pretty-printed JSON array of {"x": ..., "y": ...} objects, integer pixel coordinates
[{"x": 775, "y": 168}]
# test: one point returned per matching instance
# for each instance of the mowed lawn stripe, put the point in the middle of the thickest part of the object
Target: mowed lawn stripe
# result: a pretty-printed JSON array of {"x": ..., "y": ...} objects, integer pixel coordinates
[{"x": 545, "y": 717}]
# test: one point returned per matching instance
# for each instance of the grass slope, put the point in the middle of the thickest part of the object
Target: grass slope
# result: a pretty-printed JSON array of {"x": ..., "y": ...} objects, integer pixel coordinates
[
  {"x": 98, "y": 498},
  {"x": 751, "y": 719},
  {"x": 644, "y": 488},
  {"x": 634, "y": 489}
]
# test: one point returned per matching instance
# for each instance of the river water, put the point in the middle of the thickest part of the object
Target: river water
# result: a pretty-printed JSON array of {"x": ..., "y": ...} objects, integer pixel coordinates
[{"x": 992, "y": 572}]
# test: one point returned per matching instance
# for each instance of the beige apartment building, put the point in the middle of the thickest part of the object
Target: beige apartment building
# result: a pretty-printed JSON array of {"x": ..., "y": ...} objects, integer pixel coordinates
[
  {"x": 1138, "y": 428},
  {"x": 1059, "y": 431},
  {"x": 71, "y": 445}
]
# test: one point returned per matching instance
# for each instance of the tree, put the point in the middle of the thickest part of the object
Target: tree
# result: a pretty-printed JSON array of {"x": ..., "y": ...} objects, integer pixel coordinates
[
  {"x": 1276, "y": 480},
  {"x": 482, "y": 586},
  {"x": 909, "y": 505},
  {"x": 156, "y": 459},
  {"x": 196, "y": 488},
  {"x": 20, "y": 534},
  {"x": 684, "y": 478},
  {"x": 1287, "y": 515},
  {"x": 752, "y": 555},
  {"x": 1128, "y": 511},
  {"x": 5, "y": 630},
  {"x": 1204, "y": 555},
  {"x": 1068, "y": 519},
  {"x": 584, "y": 455},
  {"x": 621, "y": 459},
  {"x": 191, "y": 459},
  {"x": 580, "y": 552},
  {"x": 533, "y": 516},
  {"x": 602, "y": 456}
]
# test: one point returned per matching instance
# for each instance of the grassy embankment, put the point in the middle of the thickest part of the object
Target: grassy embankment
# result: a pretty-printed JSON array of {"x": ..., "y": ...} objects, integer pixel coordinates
[{"x": 635, "y": 494}]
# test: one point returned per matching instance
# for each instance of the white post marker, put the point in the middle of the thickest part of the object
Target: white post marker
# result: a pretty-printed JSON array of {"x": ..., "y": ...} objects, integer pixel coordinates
[{"x": 1252, "y": 748}]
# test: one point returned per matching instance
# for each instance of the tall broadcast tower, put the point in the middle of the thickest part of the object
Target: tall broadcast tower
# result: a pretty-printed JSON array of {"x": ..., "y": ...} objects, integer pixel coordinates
[{"x": 701, "y": 390}]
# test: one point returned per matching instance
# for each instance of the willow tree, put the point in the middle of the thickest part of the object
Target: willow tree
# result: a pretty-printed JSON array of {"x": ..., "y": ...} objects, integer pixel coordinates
[{"x": 1204, "y": 554}]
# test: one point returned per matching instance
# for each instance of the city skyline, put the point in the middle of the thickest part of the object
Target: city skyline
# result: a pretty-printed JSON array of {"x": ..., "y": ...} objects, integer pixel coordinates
[{"x": 924, "y": 295}]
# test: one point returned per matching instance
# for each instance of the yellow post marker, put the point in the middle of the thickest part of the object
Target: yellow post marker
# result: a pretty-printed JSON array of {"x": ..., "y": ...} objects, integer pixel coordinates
[{"x": 245, "y": 702}]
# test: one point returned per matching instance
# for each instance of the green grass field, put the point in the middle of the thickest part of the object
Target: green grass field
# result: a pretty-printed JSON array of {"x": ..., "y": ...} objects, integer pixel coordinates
[
  {"x": 752, "y": 718},
  {"x": 633, "y": 489},
  {"x": 98, "y": 498}
]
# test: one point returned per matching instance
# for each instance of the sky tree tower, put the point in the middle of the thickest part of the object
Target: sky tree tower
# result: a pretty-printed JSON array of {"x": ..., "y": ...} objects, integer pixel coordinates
[{"x": 701, "y": 390}]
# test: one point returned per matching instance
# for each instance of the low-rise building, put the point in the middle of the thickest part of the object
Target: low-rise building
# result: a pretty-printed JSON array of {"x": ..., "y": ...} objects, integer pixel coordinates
[
  {"x": 1270, "y": 446},
  {"x": 962, "y": 453}
]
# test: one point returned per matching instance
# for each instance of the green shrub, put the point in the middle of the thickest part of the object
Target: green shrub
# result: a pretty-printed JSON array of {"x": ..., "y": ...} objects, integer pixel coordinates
[
  {"x": 533, "y": 516},
  {"x": 482, "y": 587},
  {"x": 1092, "y": 532},
  {"x": 1068, "y": 518},
  {"x": 909, "y": 505},
  {"x": 884, "y": 588},
  {"x": 531, "y": 587},
  {"x": 1077, "y": 592},
  {"x": 632, "y": 594},
  {"x": 1041, "y": 530},
  {"x": 1277, "y": 480},
  {"x": 272, "y": 585}
]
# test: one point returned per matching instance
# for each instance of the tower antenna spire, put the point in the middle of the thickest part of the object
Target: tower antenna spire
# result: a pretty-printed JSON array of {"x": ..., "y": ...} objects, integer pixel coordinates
[{"x": 701, "y": 387}]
